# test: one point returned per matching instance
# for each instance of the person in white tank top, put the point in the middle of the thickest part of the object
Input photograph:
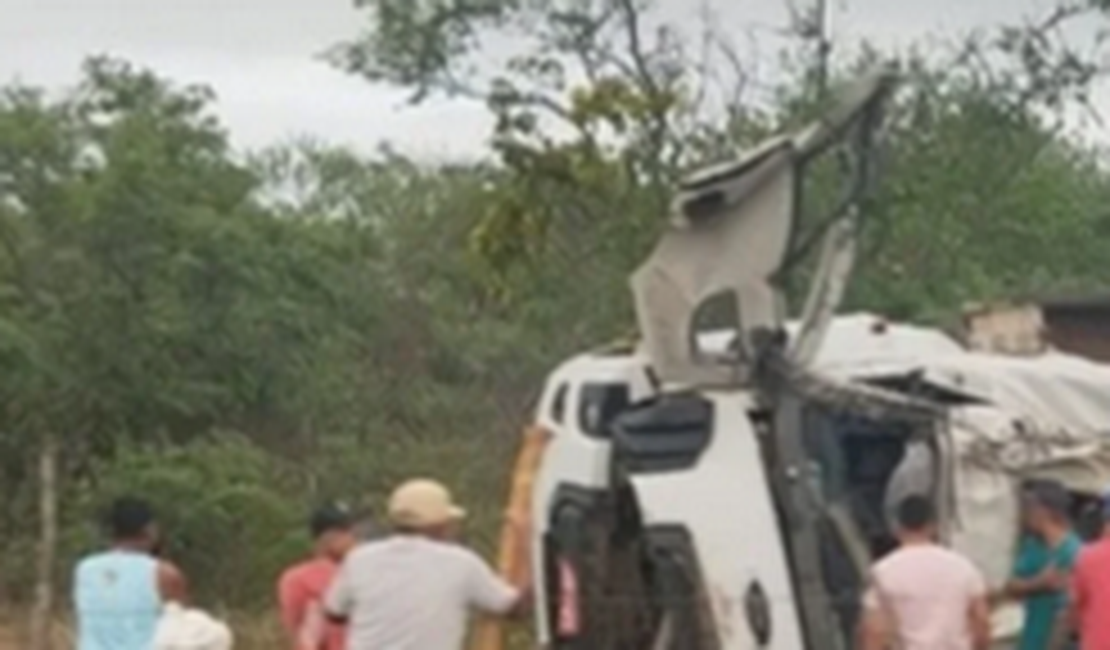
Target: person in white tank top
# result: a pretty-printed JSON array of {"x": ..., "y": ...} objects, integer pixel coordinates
[
  {"x": 924, "y": 596},
  {"x": 119, "y": 593}
]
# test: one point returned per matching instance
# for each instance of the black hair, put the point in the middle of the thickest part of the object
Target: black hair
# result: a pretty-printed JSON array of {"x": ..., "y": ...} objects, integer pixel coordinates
[
  {"x": 916, "y": 513},
  {"x": 129, "y": 518},
  {"x": 1052, "y": 496},
  {"x": 1033, "y": 485},
  {"x": 330, "y": 518}
]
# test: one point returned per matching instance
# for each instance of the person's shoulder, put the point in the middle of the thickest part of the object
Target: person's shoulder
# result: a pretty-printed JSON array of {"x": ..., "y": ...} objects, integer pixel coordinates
[
  {"x": 88, "y": 563},
  {"x": 295, "y": 572},
  {"x": 454, "y": 554},
  {"x": 109, "y": 559},
  {"x": 360, "y": 554},
  {"x": 950, "y": 556},
  {"x": 1032, "y": 548},
  {"x": 962, "y": 561},
  {"x": 168, "y": 570},
  {"x": 433, "y": 551},
  {"x": 1096, "y": 553},
  {"x": 902, "y": 555},
  {"x": 1084, "y": 556},
  {"x": 922, "y": 555},
  {"x": 372, "y": 551},
  {"x": 883, "y": 564},
  {"x": 91, "y": 558}
]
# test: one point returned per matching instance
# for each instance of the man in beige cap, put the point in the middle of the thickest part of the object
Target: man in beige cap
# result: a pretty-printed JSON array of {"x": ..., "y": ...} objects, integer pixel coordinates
[{"x": 415, "y": 589}]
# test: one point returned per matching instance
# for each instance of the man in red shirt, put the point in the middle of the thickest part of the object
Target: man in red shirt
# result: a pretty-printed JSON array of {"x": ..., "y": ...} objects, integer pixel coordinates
[
  {"x": 302, "y": 587},
  {"x": 1090, "y": 591}
]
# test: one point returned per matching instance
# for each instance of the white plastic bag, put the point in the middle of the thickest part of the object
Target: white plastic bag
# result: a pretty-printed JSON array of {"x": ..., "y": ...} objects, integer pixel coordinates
[{"x": 182, "y": 628}]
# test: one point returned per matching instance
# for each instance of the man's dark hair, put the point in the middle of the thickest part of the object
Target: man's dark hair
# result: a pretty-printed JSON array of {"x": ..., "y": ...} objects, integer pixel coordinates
[
  {"x": 1032, "y": 485},
  {"x": 330, "y": 518},
  {"x": 1052, "y": 496},
  {"x": 128, "y": 518},
  {"x": 916, "y": 513}
]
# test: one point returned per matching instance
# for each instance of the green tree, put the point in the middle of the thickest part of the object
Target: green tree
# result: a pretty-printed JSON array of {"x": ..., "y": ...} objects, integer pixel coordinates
[
  {"x": 602, "y": 106},
  {"x": 147, "y": 296}
]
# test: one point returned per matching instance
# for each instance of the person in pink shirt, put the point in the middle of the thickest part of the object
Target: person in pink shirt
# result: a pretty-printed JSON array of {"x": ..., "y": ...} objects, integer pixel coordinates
[
  {"x": 302, "y": 587},
  {"x": 923, "y": 596},
  {"x": 1089, "y": 606}
]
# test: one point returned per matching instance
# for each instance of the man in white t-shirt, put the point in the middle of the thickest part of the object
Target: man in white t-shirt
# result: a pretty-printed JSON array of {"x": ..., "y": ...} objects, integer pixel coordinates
[
  {"x": 415, "y": 589},
  {"x": 924, "y": 596}
]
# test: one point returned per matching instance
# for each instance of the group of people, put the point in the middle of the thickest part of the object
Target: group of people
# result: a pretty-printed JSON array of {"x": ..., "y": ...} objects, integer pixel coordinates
[
  {"x": 413, "y": 589},
  {"x": 924, "y": 596}
]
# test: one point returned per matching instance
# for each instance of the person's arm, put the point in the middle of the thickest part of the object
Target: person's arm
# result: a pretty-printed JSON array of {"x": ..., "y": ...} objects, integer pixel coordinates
[
  {"x": 979, "y": 621},
  {"x": 340, "y": 598},
  {"x": 978, "y": 609},
  {"x": 1079, "y": 596},
  {"x": 489, "y": 593},
  {"x": 292, "y": 603},
  {"x": 1065, "y": 623},
  {"x": 172, "y": 586},
  {"x": 1061, "y": 628},
  {"x": 1050, "y": 580},
  {"x": 874, "y": 629},
  {"x": 1025, "y": 580},
  {"x": 1053, "y": 578},
  {"x": 1056, "y": 577},
  {"x": 526, "y": 579},
  {"x": 1067, "y": 620},
  {"x": 1073, "y": 610}
]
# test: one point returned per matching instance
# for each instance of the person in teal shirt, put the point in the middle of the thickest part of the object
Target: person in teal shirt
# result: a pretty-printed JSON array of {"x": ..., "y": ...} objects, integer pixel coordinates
[{"x": 1045, "y": 556}]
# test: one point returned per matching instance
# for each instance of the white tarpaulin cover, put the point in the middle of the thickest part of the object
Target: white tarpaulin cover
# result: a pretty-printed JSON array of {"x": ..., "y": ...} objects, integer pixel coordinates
[{"x": 1046, "y": 416}]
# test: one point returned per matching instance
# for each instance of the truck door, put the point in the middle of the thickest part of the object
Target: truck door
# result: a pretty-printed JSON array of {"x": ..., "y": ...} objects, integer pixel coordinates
[
  {"x": 573, "y": 492},
  {"x": 697, "y": 468}
]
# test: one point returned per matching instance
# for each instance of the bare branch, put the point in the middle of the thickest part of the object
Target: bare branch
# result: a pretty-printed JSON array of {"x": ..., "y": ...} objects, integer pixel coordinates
[{"x": 640, "y": 65}]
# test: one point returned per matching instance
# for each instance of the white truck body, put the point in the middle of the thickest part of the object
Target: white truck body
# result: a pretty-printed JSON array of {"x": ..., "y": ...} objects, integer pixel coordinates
[
  {"x": 1039, "y": 417},
  {"x": 725, "y": 487}
]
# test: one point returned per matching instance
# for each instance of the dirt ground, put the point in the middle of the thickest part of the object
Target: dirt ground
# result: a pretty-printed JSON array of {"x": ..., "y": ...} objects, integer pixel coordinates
[{"x": 7, "y": 639}]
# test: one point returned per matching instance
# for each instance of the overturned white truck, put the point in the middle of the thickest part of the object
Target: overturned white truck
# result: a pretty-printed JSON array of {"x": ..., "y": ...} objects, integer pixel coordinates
[
  {"x": 664, "y": 520},
  {"x": 726, "y": 489}
]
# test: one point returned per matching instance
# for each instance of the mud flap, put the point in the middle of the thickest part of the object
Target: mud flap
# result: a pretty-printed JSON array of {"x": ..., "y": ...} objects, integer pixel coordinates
[{"x": 574, "y": 557}]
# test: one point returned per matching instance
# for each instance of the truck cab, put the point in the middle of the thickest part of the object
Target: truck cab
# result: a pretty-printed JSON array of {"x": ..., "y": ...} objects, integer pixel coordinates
[{"x": 674, "y": 505}]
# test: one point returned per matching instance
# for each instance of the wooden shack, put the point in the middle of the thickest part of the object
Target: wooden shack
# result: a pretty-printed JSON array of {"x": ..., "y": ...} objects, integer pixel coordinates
[{"x": 1078, "y": 326}]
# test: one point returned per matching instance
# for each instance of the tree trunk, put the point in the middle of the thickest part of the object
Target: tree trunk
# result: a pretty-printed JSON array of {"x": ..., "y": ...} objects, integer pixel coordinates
[{"x": 48, "y": 545}]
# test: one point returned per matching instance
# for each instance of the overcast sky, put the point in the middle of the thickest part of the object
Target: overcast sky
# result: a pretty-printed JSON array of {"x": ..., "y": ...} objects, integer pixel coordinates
[{"x": 259, "y": 55}]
